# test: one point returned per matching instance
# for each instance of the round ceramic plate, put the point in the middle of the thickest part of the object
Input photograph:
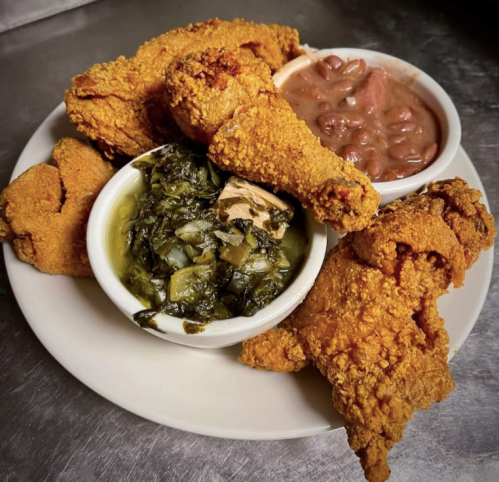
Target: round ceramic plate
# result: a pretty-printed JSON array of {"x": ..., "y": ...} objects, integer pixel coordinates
[{"x": 202, "y": 391}]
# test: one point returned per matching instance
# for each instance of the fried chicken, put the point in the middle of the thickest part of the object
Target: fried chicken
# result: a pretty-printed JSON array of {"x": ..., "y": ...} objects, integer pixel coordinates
[
  {"x": 204, "y": 89},
  {"x": 228, "y": 100},
  {"x": 44, "y": 211},
  {"x": 370, "y": 323},
  {"x": 120, "y": 104}
]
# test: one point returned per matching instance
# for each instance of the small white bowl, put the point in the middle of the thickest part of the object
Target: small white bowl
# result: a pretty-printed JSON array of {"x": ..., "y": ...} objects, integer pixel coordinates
[
  {"x": 430, "y": 91},
  {"x": 218, "y": 333}
]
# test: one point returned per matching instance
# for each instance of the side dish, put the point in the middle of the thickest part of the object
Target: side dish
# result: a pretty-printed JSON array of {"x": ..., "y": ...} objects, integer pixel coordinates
[
  {"x": 187, "y": 246},
  {"x": 365, "y": 116}
]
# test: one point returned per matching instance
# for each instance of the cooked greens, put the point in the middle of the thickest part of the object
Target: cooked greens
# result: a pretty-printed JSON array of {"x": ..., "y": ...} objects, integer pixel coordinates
[{"x": 183, "y": 260}]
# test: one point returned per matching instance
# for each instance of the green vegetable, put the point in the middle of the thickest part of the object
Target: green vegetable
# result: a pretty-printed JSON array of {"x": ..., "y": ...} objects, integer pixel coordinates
[
  {"x": 233, "y": 239},
  {"x": 236, "y": 255},
  {"x": 189, "y": 284},
  {"x": 178, "y": 257},
  {"x": 205, "y": 258},
  {"x": 193, "y": 328}
]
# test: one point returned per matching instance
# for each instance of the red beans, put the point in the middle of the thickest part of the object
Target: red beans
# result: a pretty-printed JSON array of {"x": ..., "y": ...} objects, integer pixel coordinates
[
  {"x": 328, "y": 122},
  {"x": 404, "y": 152},
  {"x": 351, "y": 152},
  {"x": 324, "y": 70},
  {"x": 343, "y": 86},
  {"x": 381, "y": 142},
  {"x": 334, "y": 62},
  {"x": 355, "y": 67},
  {"x": 397, "y": 139},
  {"x": 353, "y": 119},
  {"x": 365, "y": 116},
  {"x": 407, "y": 127},
  {"x": 360, "y": 136},
  {"x": 373, "y": 166},
  {"x": 398, "y": 114},
  {"x": 339, "y": 121}
]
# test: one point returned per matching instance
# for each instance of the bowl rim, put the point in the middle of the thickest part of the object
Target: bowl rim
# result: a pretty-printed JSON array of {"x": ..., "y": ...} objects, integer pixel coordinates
[
  {"x": 418, "y": 76},
  {"x": 167, "y": 324}
]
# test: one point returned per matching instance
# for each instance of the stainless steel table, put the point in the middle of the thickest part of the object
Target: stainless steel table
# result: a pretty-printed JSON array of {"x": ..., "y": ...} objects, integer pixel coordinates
[{"x": 53, "y": 428}]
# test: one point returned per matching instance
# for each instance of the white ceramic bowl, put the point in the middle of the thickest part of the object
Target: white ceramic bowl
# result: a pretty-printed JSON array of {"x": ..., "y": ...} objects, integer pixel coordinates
[
  {"x": 218, "y": 333},
  {"x": 431, "y": 92}
]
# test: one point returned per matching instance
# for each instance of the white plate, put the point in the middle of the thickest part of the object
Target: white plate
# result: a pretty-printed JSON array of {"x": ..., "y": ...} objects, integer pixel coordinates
[{"x": 201, "y": 391}]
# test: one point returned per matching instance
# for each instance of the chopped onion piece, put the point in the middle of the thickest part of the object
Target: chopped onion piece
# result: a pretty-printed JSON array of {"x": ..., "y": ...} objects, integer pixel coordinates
[{"x": 234, "y": 239}]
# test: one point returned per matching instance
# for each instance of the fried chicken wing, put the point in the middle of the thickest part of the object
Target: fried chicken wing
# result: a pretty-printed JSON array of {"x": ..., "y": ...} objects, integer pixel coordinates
[
  {"x": 120, "y": 104},
  {"x": 228, "y": 100},
  {"x": 44, "y": 211},
  {"x": 371, "y": 324}
]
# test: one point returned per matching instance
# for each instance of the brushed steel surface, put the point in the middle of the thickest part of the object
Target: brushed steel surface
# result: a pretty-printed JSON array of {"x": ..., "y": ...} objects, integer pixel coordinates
[
  {"x": 14, "y": 14},
  {"x": 53, "y": 428}
]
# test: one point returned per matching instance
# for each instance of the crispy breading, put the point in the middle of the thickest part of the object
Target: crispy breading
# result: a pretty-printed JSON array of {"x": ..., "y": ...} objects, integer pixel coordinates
[
  {"x": 44, "y": 211},
  {"x": 265, "y": 142},
  {"x": 276, "y": 350},
  {"x": 207, "y": 87},
  {"x": 228, "y": 100},
  {"x": 459, "y": 206},
  {"x": 371, "y": 324},
  {"x": 120, "y": 104}
]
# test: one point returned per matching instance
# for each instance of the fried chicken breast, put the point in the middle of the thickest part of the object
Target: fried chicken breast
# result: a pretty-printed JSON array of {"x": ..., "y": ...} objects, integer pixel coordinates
[
  {"x": 44, "y": 211},
  {"x": 371, "y": 324},
  {"x": 121, "y": 105},
  {"x": 227, "y": 100}
]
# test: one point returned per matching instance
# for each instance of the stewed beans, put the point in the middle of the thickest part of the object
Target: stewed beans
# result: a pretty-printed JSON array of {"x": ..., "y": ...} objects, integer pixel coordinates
[{"x": 365, "y": 116}]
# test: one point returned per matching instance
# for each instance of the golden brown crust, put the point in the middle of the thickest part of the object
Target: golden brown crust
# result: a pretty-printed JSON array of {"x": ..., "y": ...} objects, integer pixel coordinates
[
  {"x": 45, "y": 210},
  {"x": 120, "y": 104},
  {"x": 277, "y": 350},
  {"x": 371, "y": 324},
  {"x": 265, "y": 142},
  {"x": 207, "y": 87},
  {"x": 390, "y": 240},
  {"x": 461, "y": 209}
]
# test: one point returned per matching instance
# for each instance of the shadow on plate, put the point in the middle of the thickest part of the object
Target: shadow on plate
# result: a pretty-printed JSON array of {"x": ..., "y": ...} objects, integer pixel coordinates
[
  {"x": 317, "y": 392},
  {"x": 105, "y": 310}
]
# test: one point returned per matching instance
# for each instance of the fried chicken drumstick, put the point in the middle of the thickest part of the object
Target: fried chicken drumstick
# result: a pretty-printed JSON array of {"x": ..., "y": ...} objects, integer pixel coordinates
[
  {"x": 370, "y": 323},
  {"x": 227, "y": 99},
  {"x": 120, "y": 104},
  {"x": 44, "y": 212}
]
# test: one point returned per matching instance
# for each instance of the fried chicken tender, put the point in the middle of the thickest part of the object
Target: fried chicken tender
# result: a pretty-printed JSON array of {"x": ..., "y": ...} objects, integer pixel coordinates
[
  {"x": 228, "y": 100},
  {"x": 120, "y": 104},
  {"x": 44, "y": 211},
  {"x": 371, "y": 324},
  {"x": 276, "y": 350}
]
